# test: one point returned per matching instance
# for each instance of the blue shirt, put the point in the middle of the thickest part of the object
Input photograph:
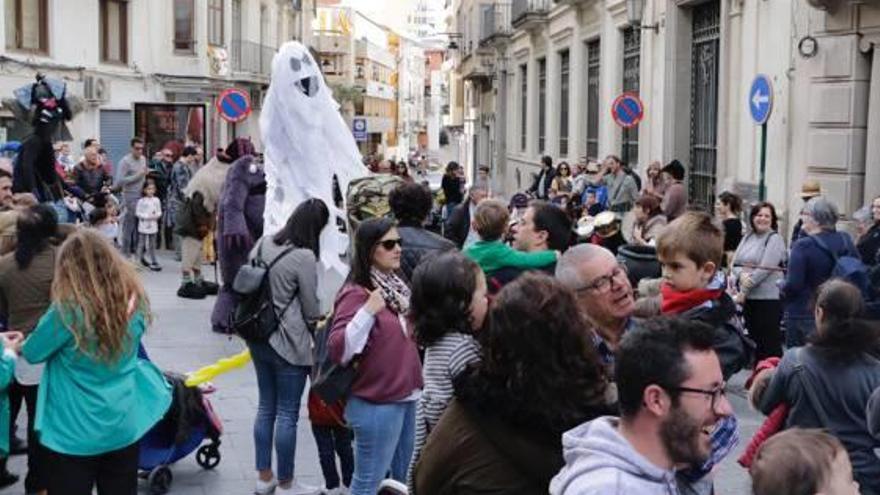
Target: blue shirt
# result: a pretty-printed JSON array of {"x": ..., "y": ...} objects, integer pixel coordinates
[{"x": 87, "y": 406}]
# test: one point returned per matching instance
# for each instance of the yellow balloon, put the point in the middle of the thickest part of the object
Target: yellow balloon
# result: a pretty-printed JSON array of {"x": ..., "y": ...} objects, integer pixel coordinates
[{"x": 224, "y": 365}]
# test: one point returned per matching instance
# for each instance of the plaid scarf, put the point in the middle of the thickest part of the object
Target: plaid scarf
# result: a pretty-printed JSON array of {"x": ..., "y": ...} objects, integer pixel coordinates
[{"x": 394, "y": 290}]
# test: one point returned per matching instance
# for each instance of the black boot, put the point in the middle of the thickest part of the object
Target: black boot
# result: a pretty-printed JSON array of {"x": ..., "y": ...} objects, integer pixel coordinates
[
  {"x": 209, "y": 288},
  {"x": 191, "y": 290}
]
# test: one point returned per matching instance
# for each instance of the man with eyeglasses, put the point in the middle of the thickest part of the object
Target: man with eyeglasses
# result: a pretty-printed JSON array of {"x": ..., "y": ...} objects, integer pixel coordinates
[
  {"x": 132, "y": 172},
  {"x": 672, "y": 400},
  {"x": 604, "y": 294}
]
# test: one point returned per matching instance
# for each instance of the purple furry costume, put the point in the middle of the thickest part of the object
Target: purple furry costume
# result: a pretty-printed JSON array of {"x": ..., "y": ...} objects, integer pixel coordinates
[{"x": 240, "y": 224}]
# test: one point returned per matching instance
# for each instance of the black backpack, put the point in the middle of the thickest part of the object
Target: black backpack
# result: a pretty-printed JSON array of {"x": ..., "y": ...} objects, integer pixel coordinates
[{"x": 254, "y": 317}]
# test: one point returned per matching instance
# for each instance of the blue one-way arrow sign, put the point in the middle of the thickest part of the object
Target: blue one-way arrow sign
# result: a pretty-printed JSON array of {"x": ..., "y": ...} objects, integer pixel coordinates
[{"x": 761, "y": 99}]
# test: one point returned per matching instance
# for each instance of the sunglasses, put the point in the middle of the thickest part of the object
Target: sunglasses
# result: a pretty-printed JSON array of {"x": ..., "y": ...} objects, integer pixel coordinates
[{"x": 388, "y": 244}]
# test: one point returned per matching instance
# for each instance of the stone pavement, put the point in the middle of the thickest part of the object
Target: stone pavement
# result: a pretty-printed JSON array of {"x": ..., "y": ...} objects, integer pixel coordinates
[{"x": 181, "y": 340}]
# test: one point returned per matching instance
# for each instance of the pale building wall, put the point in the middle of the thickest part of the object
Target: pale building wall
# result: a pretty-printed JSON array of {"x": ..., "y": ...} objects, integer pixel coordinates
[{"x": 154, "y": 69}]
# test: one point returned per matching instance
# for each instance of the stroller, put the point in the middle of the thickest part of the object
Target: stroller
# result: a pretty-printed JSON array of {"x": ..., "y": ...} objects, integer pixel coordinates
[{"x": 188, "y": 423}]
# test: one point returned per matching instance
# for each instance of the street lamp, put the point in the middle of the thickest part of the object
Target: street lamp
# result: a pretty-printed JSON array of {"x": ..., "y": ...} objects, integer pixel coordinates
[{"x": 634, "y": 11}]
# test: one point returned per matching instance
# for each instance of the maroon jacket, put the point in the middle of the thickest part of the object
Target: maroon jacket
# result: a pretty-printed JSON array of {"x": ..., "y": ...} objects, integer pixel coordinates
[{"x": 388, "y": 369}]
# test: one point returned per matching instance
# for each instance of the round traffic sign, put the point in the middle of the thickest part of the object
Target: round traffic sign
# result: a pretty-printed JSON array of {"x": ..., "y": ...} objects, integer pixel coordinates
[
  {"x": 234, "y": 105},
  {"x": 627, "y": 110},
  {"x": 761, "y": 99}
]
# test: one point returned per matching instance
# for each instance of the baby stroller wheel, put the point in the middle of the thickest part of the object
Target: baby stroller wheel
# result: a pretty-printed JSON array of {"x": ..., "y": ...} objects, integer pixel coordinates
[
  {"x": 208, "y": 456},
  {"x": 160, "y": 480}
]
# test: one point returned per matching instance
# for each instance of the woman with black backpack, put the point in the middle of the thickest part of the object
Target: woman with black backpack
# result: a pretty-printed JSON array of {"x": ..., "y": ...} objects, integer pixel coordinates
[
  {"x": 812, "y": 262},
  {"x": 284, "y": 360}
]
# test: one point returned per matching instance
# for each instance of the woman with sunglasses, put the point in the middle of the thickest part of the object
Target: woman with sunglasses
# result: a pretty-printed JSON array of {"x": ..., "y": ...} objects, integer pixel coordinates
[{"x": 370, "y": 328}]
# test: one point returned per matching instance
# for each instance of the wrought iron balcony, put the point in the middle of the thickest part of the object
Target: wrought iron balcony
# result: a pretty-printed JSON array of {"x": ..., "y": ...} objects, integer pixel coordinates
[
  {"x": 248, "y": 56},
  {"x": 529, "y": 14},
  {"x": 495, "y": 24}
]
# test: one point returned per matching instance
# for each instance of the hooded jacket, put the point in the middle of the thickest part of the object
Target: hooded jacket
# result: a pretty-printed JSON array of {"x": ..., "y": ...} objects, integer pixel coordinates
[{"x": 600, "y": 461}]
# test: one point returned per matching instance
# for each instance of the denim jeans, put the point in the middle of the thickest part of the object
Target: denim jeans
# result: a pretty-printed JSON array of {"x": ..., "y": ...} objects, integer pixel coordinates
[
  {"x": 333, "y": 441},
  {"x": 798, "y": 330},
  {"x": 384, "y": 435},
  {"x": 280, "y": 387}
]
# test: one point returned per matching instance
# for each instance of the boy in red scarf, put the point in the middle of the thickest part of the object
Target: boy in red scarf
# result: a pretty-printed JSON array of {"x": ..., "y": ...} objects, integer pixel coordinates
[{"x": 690, "y": 250}]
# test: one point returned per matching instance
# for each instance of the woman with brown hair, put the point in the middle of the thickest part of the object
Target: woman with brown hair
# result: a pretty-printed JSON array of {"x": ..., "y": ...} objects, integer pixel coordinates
[
  {"x": 539, "y": 377},
  {"x": 650, "y": 220},
  {"x": 96, "y": 398}
]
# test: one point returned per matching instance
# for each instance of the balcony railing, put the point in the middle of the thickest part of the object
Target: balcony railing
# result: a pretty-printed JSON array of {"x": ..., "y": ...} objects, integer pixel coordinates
[
  {"x": 495, "y": 23},
  {"x": 248, "y": 56},
  {"x": 526, "y": 14}
]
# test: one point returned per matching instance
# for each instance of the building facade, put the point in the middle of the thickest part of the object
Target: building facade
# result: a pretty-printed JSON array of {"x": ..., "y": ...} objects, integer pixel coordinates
[
  {"x": 543, "y": 83},
  {"x": 116, "y": 53},
  {"x": 359, "y": 58}
]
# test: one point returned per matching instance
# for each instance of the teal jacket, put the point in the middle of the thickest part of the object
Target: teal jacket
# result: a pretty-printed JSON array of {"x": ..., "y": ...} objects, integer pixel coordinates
[
  {"x": 86, "y": 406},
  {"x": 7, "y": 373},
  {"x": 495, "y": 255}
]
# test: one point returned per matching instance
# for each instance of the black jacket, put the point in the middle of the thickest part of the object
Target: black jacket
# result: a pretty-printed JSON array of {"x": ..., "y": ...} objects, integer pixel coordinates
[
  {"x": 544, "y": 193},
  {"x": 869, "y": 246},
  {"x": 734, "y": 349},
  {"x": 417, "y": 243},
  {"x": 459, "y": 224}
]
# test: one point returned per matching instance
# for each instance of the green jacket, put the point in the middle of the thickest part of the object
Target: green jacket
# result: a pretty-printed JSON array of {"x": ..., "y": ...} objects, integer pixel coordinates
[
  {"x": 7, "y": 374},
  {"x": 86, "y": 406},
  {"x": 495, "y": 255}
]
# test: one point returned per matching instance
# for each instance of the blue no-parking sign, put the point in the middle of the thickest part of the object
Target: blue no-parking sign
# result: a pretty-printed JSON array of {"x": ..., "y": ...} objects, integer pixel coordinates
[
  {"x": 761, "y": 99},
  {"x": 627, "y": 110},
  {"x": 234, "y": 105},
  {"x": 359, "y": 129}
]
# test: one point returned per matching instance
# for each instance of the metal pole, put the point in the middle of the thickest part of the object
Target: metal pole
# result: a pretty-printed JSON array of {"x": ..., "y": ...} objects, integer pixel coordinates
[{"x": 762, "y": 186}]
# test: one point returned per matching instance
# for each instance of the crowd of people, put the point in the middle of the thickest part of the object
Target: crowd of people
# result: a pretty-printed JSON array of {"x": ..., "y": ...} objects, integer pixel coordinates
[
  {"x": 517, "y": 356},
  {"x": 577, "y": 339}
]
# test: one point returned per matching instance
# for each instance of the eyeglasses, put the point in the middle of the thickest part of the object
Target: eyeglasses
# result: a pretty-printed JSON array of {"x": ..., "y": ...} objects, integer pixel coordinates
[
  {"x": 604, "y": 283},
  {"x": 715, "y": 393},
  {"x": 138, "y": 148},
  {"x": 388, "y": 244}
]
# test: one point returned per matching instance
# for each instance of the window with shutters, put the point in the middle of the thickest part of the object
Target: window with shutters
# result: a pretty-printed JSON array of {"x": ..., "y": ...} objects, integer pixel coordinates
[
  {"x": 27, "y": 25},
  {"x": 542, "y": 105},
  {"x": 593, "y": 66},
  {"x": 563, "y": 101},
  {"x": 114, "y": 31},
  {"x": 215, "y": 22},
  {"x": 184, "y": 26}
]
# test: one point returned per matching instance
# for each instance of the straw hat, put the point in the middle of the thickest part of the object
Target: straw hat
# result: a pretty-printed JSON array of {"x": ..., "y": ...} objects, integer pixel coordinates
[{"x": 810, "y": 189}]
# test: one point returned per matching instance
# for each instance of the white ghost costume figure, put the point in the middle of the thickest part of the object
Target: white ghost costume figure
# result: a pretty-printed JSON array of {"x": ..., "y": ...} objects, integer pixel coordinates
[{"x": 306, "y": 142}]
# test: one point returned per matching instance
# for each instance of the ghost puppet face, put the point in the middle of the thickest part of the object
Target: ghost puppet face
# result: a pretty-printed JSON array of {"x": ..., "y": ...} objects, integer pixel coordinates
[{"x": 306, "y": 77}]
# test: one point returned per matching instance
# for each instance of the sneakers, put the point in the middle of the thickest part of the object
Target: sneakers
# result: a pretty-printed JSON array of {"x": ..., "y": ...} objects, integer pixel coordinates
[
  {"x": 340, "y": 490},
  {"x": 265, "y": 487},
  {"x": 152, "y": 266},
  {"x": 191, "y": 290},
  {"x": 392, "y": 487},
  {"x": 297, "y": 488}
]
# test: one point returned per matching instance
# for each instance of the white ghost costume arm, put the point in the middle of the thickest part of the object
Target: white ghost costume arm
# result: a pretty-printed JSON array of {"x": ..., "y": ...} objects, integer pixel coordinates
[{"x": 306, "y": 143}]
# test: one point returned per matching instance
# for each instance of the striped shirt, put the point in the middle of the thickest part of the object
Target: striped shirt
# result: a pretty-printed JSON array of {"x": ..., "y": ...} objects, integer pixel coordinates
[{"x": 444, "y": 360}]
